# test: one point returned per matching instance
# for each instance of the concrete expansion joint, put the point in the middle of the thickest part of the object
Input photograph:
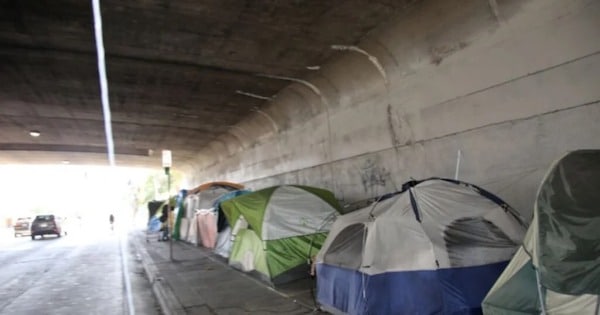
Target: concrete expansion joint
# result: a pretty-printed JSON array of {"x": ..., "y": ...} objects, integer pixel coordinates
[
  {"x": 253, "y": 95},
  {"x": 304, "y": 82},
  {"x": 495, "y": 9},
  {"x": 371, "y": 58},
  {"x": 273, "y": 122}
]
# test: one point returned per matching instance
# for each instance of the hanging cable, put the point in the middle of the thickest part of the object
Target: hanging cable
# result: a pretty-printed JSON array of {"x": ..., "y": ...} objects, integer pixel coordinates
[
  {"x": 103, "y": 81},
  {"x": 109, "y": 136}
]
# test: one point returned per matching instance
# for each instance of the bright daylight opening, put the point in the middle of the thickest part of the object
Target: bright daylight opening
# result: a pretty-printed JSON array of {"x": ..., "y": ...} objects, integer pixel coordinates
[{"x": 82, "y": 197}]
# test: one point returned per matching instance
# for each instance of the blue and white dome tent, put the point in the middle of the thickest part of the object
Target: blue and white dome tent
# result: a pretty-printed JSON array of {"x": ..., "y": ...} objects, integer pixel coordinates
[{"x": 436, "y": 247}]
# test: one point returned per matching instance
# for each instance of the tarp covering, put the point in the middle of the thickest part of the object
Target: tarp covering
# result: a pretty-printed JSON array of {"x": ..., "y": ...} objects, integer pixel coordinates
[
  {"x": 190, "y": 204},
  {"x": 207, "y": 226},
  {"x": 192, "y": 233},
  {"x": 224, "y": 243},
  {"x": 557, "y": 270},
  {"x": 154, "y": 207},
  {"x": 180, "y": 213},
  {"x": 184, "y": 228},
  {"x": 434, "y": 248},
  {"x": 193, "y": 200}
]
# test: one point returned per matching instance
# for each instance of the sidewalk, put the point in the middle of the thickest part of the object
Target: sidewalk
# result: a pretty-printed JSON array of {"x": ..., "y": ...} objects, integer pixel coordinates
[{"x": 200, "y": 282}]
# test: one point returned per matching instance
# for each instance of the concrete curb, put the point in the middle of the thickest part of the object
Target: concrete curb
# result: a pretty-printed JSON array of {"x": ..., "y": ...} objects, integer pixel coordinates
[
  {"x": 167, "y": 300},
  {"x": 213, "y": 257}
]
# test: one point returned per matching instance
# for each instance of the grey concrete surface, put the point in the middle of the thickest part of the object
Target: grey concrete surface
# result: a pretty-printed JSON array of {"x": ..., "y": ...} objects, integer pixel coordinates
[
  {"x": 198, "y": 282},
  {"x": 180, "y": 73},
  {"x": 512, "y": 86},
  {"x": 79, "y": 273}
]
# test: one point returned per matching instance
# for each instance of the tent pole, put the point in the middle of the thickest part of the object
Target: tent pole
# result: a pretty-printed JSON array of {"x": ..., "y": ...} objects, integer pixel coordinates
[
  {"x": 540, "y": 293},
  {"x": 458, "y": 156}
]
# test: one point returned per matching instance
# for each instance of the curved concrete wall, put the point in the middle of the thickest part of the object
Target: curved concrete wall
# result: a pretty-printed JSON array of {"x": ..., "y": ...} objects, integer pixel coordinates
[{"x": 511, "y": 84}]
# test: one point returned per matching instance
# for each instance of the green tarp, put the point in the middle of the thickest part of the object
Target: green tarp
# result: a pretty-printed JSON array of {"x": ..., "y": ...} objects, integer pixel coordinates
[{"x": 180, "y": 212}]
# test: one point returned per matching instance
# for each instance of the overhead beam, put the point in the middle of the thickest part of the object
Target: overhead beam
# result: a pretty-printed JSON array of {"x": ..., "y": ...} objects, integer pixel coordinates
[
  {"x": 18, "y": 49},
  {"x": 70, "y": 148}
]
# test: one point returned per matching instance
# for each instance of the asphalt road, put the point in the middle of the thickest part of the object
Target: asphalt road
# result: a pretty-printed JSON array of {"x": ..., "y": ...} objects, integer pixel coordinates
[{"x": 81, "y": 273}]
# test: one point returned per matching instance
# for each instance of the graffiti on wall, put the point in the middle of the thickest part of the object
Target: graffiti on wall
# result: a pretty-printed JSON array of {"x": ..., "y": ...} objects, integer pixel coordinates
[{"x": 374, "y": 177}]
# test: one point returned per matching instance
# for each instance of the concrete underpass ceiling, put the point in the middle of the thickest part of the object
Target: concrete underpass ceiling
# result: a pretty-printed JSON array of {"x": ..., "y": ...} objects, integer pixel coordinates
[{"x": 179, "y": 72}]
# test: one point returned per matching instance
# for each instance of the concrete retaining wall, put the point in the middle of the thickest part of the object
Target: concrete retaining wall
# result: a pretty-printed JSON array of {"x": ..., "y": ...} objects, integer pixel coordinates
[{"x": 511, "y": 84}]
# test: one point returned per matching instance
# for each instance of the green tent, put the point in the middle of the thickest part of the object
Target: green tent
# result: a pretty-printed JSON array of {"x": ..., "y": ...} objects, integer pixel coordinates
[
  {"x": 557, "y": 269},
  {"x": 278, "y": 229}
]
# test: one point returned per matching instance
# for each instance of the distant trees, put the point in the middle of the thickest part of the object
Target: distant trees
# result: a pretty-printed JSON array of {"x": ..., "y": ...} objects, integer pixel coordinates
[{"x": 155, "y": 187}]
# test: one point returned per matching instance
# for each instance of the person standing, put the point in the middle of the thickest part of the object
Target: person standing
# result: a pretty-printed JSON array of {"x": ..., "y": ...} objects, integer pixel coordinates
[
  {"x": 164, "y": 219},
  {"x": 111, "y": 218}
]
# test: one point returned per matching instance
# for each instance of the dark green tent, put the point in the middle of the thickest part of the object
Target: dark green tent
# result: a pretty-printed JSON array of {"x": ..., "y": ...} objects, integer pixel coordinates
[{"x": 557, "y": 270}]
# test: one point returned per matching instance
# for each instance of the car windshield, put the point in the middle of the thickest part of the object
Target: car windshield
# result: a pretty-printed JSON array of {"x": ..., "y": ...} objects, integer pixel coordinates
[{"x": 44, "y": 218}]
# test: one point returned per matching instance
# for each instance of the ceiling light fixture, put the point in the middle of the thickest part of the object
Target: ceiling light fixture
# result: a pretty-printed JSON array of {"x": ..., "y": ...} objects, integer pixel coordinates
[{"x": 35, "y": 133}]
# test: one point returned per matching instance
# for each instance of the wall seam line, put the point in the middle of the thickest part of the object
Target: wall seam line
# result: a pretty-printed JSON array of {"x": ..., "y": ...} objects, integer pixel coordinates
[
  {"x": 515, "y": 79},
  {"x": 439, "y": 137}
]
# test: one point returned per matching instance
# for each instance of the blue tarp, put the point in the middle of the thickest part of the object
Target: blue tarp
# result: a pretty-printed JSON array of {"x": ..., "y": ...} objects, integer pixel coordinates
[
  {"x": 441, "y": 291},
  {"x": 221, "y": 219},
  {"x": 154, "y": 224}
]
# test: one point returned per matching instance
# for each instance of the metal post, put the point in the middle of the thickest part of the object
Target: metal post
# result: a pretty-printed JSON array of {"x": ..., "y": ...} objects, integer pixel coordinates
[
  {"x": 169, "y": 219},
  {"x": 167, "y": 161}
]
